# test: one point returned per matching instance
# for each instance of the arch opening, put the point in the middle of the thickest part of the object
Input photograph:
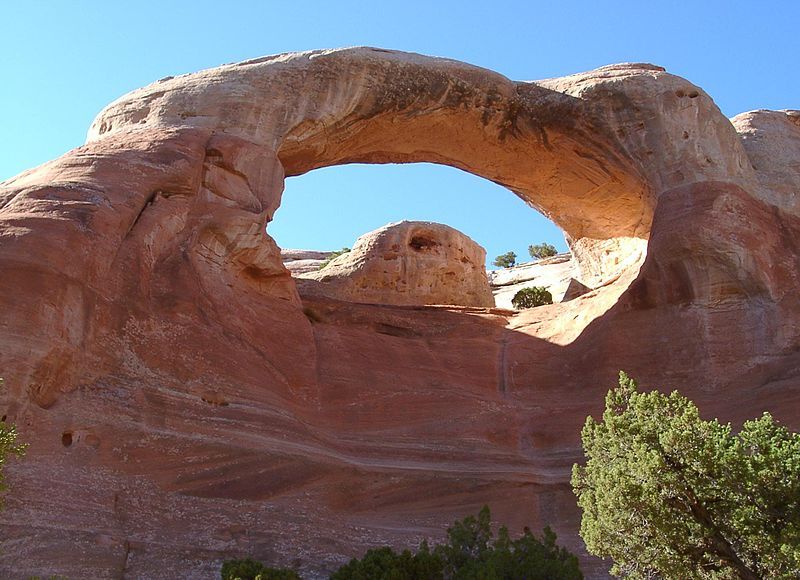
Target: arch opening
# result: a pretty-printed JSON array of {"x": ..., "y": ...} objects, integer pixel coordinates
[
  {"x": 354, "y": 199},
  {"x": 327, "y": 209},
  {"x": 571, "y": 148},
  {"x": 547, "y": 147}
]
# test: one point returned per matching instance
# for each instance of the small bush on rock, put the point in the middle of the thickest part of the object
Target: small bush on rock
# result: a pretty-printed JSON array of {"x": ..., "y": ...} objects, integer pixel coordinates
[
  {"x": 333, "y": 256},
  {"x": 250, "y": 569},
  {"x": 541, "y": 251},
  {"x": 8, "y": 447},
  {"x": 506, "y": 260},
  {"x": 532, "y": 297}
]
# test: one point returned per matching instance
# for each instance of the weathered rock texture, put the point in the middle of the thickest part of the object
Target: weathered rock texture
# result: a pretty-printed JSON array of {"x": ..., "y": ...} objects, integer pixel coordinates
[
  {"x": 184, "y": 404},
  {"x": 552, "y": 273},
  {"x": 772, "y": 142},
  {"x": 304, "y": 261},
  {"x": 406, "y": 263}
]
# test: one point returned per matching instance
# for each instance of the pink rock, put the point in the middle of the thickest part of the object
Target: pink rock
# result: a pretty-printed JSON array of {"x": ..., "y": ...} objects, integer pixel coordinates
[{"x": 184, "y": 405}]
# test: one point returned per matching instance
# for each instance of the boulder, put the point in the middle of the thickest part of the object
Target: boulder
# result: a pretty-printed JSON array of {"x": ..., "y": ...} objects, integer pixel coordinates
[
  {"x": 406, "y": 263},
  {"x": 574, "y": 289}
]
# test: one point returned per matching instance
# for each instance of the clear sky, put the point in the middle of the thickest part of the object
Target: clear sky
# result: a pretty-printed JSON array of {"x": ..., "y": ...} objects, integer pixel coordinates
[{"x": 62, "y": 61}]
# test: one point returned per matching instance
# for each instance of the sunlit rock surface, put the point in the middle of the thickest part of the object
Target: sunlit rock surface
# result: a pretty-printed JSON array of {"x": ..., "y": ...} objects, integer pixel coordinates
[
  {"x": 304, "y": 261},
  {"x": 553, "y": 273},
  {"x": 185, "y": 405},
  {"x": 406, "y": 263}
]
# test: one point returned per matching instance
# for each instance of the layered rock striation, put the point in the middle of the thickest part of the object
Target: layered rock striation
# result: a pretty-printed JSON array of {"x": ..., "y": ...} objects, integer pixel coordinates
[
  {"x": 304, "y": 261},
  {"x": 184, "y": 404}
]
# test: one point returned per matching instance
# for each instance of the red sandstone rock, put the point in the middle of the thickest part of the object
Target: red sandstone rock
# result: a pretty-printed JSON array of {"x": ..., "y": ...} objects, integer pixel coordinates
[
  {"x": 406, "y": 263},
  {"x": 184, "y": 404}
]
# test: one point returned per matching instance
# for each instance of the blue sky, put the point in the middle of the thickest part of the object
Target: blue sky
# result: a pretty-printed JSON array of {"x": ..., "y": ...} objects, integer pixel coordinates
[{"x": 61, "y": 62}]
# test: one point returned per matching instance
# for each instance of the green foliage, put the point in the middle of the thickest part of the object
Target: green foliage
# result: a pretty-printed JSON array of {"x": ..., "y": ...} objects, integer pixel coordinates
[
  {"x": 666, "y": 494},
  {"x": 541, "y": 251},
  {"x": 470, "y": 554},
  {"x": 386, "y": 564},
  {"x": 252, "y": 570},
  {"x": 506, "y": 260},
  {"x": 532, "y": 297},
  {"x": 333, "y": 256},
  {"x": 8, "y": 447}
]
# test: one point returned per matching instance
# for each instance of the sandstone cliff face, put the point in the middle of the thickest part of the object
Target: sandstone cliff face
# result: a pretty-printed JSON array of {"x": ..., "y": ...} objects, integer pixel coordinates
[
  {"x": 772, "y": 142},
  {"x": 185, "y": 404},
  {"x": 407, "y": 263}
]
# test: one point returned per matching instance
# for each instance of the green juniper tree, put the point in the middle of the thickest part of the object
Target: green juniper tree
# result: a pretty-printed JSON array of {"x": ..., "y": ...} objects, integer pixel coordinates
[
  {"x": 541, "y": 251},
  {"x": 668, "y": 495},
  {"x": 532, "y": 297},
  {"x": 506, "y": 260}
]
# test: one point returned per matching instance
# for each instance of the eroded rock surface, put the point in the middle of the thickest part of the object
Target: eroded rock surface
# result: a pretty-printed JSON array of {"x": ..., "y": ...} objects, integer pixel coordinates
[
  {"x": 552, "y": 273},
  {"x": 304, "y": 261},
  {"x": 406, "y": 263},
  {"x": 184, "y": 405},
  {"x": 772, "y": 142}
]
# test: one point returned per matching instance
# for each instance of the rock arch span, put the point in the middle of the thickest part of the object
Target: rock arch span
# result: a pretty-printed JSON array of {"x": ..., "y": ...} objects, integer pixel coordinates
[
  {"x": 373, "y": 106},
  {"x": 145, "y": 314}
]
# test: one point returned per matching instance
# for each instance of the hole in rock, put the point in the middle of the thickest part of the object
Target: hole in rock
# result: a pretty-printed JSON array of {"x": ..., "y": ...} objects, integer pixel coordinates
[
  {"x": 330, "y": 208},
  {"x": 323, "y": 212},
  {"x": 66, "y": 438},
  {"x": 214, "y": 400},
  {"x": 420, "y": 243}
]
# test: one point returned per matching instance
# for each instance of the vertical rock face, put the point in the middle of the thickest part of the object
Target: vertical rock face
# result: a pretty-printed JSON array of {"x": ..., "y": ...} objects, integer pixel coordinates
[
  {"x": 772, "y": 142},
  {"x": 408, "y": 263},
  {"x": 184, "y": 404}
]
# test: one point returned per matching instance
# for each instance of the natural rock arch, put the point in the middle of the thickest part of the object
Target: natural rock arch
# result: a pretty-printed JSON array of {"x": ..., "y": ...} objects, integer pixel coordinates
[
  {"x": 580, "y": 149},
  {"x": 167, "y": 338},
  {"x": 374, "y": 106}
]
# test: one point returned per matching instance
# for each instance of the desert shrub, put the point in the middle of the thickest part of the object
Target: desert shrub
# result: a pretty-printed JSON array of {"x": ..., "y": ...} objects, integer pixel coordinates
[
  {"x": 506, "y": 260},
  {"x": 541, "y": 251},
  {"x": 8, "y": 447},
  {"x": 386, "y": 564},
  {"x": 333, "y": 256},
  {"x": 532, "y": 297},
  {"x": 666, "y": 494},
  {"x": 470, "y": 553},
  {"x": 250, "y": 569}
]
